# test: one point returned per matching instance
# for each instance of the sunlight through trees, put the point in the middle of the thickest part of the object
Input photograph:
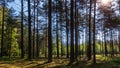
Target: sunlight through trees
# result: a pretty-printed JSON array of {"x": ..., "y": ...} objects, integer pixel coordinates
[{"x": 65, "y": 33}]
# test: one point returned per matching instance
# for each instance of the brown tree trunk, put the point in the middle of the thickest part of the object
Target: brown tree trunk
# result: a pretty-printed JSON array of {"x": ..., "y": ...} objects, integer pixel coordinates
[
  {"x": 57, "y": 35},
  {"x": 50, "y": 31},
  {"x": 37, "y": 40},
  {"x": 34, "y": 31},
  {"x": 72, "y": 33},
  {"x": 112, "y": 47},
  {"x": 89, "y": 45},
  {"x": 106, "y": 52},
  {"x": 94, "y": 30},
  {"x": 29, "y": 31},
  {"x": 76, "y": 31},
  {"x": 67, "y": 29},
  {"x": 22, "y": 42}
]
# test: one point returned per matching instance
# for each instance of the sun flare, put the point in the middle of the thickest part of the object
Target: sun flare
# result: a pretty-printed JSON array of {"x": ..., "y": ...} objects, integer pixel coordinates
[{"x": 105, "y": 2}]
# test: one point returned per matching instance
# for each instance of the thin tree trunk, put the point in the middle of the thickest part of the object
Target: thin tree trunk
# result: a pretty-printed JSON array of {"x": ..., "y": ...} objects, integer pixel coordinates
[
  {"x": 50, "y": 32},
  {"x": 72, "y": 33},
  {"x": 29, "y": 31},
  {"x": 37, "y": 40},
  {"x": 61, "y": 41},
  {"x": 112, "y": 47},
  {"x": 34, "y": 32},
  {"x": 76, "y": 31},
  {"x": 57, "y": 41},
  {"x": 119, "y": 41},
  {"x": 89, "y": 45},
  {"x": 46, "y": 44},
  {"x": 94, "y": 30},
  {"x": 105, "y": 44},
  {"x": 67, "y": 29},
  {"x": 22, "y": 42}
]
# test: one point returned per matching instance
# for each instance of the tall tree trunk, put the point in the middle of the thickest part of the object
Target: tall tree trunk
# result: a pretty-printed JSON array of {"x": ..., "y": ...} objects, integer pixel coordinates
[
  {"x": 61, "y": 40},
  {"x": 89, "y": 45},
  {"x": 2, "y": 36},
  {"x": 102, "y": 44},
  {"x": 86, "y": 28},
  {"x": 67, "y": 29},
  {"x": 112, "y": 47},
  {"x": 105, "y": 44},
  {"x": 94, "y": 33},
  {"x": 50, "y": 32},
  {"x": 57, "y": 41},
  {"x": 29, "y": 31},
  {"x": 61, "y": 21},
  {"x": 37, "y": 40},
  {"x": 76, "y": 31},
  {"x": 119, "y": 41},
  {"x": 22, "y": 42},
  {"x": 46, "y": 43},
  {"x": 34, "y": 30},
  {"x": 72, "y": 33}
]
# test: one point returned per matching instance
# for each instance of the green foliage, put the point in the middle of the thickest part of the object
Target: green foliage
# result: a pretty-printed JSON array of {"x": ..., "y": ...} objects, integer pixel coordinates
[
  {"x": 15, "y": 47},
  {"x": 11, "y": 30}
]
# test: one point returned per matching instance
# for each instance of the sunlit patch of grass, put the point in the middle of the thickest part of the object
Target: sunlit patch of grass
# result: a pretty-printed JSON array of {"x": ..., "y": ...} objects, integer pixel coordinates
[
  {"x": 103, "y": 58},
  {"x": 8, "y": 66}
]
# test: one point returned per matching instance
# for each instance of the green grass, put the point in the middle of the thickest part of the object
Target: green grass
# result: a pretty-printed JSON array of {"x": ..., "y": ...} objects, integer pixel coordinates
[{"x": 102, "y": 62}]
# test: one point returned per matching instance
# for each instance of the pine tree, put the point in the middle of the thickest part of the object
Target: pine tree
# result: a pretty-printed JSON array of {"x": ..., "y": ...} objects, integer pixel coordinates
[
  {"x": 29, "y": 31},
  {"x": 50, "y": 31}
]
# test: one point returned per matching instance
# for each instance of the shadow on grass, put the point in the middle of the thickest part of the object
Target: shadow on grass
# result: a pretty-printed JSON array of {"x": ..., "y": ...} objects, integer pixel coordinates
[
  {"x": 9, "y": 58},
  {"x": 63, "y": 63},
  {"x": 69, "y": 65},
  {"x": 39, "y": 65},
  {"x": 80, "y": 64},
  {"x": 116, "y": 61},
  {"x": 83, "y": 64}
]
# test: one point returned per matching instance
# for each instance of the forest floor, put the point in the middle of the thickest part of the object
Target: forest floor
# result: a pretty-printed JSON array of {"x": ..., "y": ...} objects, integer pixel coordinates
[{"x": 102, "y": 62}]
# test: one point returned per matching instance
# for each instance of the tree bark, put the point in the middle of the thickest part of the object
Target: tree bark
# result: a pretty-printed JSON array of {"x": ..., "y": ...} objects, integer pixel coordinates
[
  {"x": 94, "y": 33},
  {"x": 106, "y": 52},
  {"x": 89, "y": 45},
  {"x": 34, "y": 30},
  {"x": 67, "y": 29},
  {"x": 76, "y": 31},
  {"x": 29, "y": 31},
  {"x": 37, "y": 39},
  {"x": 50, "y": 32},
  {"x": 22, "y": 42},
  {"x": 72, "y": 33}
]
